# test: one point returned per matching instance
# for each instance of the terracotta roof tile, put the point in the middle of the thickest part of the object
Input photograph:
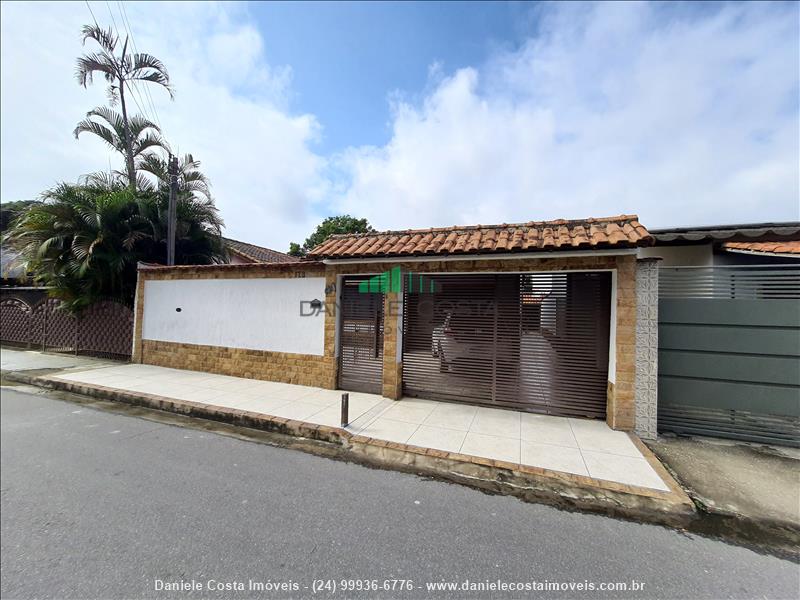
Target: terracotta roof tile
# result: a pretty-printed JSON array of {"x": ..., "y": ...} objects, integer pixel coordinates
[
  {"x": 779, "y": 247},
  {"x": 256, "y": 254},
  {"x": 623, "y": 231}
]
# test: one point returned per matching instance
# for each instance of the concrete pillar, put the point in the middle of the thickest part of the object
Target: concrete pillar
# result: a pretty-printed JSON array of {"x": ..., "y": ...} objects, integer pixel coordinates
[{"x": 646, "y": 379}]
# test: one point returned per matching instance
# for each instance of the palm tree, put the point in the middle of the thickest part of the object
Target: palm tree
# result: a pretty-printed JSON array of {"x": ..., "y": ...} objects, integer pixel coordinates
[
  {"x": 190, "y": 179},
  {"x": 85, "y": 240},
  {"x": 119, "y": 70},
  {"x": 109, "y": 126}
]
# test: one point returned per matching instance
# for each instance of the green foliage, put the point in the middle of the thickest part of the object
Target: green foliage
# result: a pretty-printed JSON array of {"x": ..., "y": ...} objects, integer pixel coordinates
[
  {"x": 190, "y": 179},
  {"x": 119, "y": 69},
  {"x": 109, "y": 126},
  {"x": 85, "y": 240},
  {"x": 330, "y": 226}
]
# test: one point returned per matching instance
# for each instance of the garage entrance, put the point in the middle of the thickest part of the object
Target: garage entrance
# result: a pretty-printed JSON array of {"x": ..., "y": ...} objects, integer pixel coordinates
[
  {"x": 361, "y": 337},
  {"x": 533, "y": 341}
]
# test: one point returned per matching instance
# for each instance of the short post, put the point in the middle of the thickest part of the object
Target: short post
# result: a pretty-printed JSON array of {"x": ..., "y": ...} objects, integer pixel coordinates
[{"x": 345, "y": 409}]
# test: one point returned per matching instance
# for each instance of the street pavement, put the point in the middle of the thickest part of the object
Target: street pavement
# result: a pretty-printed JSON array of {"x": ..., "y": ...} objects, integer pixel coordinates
[{"x": 103, "y": 505}]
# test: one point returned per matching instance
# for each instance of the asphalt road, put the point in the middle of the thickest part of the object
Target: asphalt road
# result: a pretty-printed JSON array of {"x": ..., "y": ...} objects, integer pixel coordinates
[{"x": 102, "y": 505}]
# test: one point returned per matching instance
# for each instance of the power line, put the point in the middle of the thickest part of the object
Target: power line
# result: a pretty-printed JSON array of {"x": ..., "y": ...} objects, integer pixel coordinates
[
  {"x": 124, "y": 16},
  {"x": 134, "y": 93},
  {"x": 91, "y": 12}
]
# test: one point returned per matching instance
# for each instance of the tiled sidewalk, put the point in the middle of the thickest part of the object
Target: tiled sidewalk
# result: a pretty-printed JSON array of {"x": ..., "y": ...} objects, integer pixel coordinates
[{"x": 578, "y": 446}]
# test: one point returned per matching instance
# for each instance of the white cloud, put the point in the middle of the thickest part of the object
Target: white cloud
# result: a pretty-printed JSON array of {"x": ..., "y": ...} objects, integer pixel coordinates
[
  {"x": 618, "y": 107},
  {"x": 231, "y": 110},
  {"x": 621, "y": 108}
]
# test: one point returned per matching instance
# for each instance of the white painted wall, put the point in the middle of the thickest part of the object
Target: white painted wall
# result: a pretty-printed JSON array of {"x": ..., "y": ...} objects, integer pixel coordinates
[
  {"x": 256, "y": 314},
  {"x": 699, "y": 255}
]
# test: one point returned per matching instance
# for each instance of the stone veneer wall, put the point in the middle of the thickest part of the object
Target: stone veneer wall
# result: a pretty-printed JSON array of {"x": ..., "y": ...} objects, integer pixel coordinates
[
  {"x": 323, "y": 371},
  {"x": 647, "y": 348},
  {"x": 300, "y": 369}
]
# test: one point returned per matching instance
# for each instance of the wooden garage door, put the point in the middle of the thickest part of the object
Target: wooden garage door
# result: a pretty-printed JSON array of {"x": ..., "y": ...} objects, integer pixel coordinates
[
  {"x": 361, "y": 338},
  {"x": 534, "y": 341}
]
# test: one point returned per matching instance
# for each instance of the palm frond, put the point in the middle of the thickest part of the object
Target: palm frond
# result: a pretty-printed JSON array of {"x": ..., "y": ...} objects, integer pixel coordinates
[
  {"x": 89, "y": 64},
  {"x": 104, "y": 133},
  {"x": 146, "y": 67},
  {"x": 104, "y": 37}
]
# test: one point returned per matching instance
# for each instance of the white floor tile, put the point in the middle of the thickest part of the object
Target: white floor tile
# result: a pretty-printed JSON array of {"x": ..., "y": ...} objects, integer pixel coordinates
[
  {"x": 556, "y": 458},
  {"x": 330, "y": 416},
  {"x": 452, "y": 416},
  {"x": 387, "y": 429},
  {"x": 234, "y": 400},
  {"x": 599, "y": 437},
  {"x": 449, "y": 440},
  {"x": 359, "y": 405},
  {"x": 266, "y": 406},
  {"x": 410, "y": 412},
  {"x": 199, "y": 394},
  {"x": 298, "y": 411},
  {"x": 622, "y": 469},
  {"x": 279, "y": 392},
  {"x": 492, "y": 421},
  {"x": 492, "y": 446},
  {"x": 121, "y": 382},
  {"x": 324, "y": 398},
  {"x": 360, "y": 418},
  {"x": 544, "y": 429},
  {"x": 232, "y": 384}
]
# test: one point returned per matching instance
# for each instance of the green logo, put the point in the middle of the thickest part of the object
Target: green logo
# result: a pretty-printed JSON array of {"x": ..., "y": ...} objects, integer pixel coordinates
[{"x": 392, "y": 281}]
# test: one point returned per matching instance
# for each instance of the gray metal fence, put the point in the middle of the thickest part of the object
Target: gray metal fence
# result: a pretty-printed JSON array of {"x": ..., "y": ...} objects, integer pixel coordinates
[
  {"x": 104, "y": 329},
  {"x": 729, "y": 352}
]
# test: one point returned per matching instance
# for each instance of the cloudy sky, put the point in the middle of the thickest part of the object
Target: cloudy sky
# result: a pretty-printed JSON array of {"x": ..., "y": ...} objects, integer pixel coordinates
[{"x": 429, "y": 114}]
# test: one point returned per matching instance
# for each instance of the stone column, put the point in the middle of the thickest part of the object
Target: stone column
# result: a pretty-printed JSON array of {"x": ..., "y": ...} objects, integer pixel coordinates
[
  {"x": 646, "y": 381},
  {"x": 392, "y": 351}
]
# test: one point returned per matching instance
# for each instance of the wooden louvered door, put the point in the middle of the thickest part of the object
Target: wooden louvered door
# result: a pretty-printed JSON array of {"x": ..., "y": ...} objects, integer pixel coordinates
[
  {"x": 361, "y": 338},
  {"x": 531, "y": 341}
]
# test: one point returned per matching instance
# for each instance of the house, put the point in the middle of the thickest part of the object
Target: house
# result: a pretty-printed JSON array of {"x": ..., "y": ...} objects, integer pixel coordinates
[
  {"x": 538, "y": 316},
  {"x": 728, "y": 336},
  {"x": 757, "y": 243},
  {"x": 244, "y": 253}
]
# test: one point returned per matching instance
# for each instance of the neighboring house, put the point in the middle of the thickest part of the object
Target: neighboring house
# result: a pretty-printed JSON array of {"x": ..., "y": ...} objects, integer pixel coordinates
[
  {"x": 757, "y": 243},
  {"x": 243, "y": 253},
  {"x": 14, "y": 281},
  {"x": 11, "y": 271},
  {"x": 538, "y": 316},
  {"x": 729, "y": 331}
]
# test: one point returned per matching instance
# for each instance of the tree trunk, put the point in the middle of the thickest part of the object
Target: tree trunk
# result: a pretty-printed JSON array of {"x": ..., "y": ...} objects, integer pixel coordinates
[{"x": 128, "y": 142}]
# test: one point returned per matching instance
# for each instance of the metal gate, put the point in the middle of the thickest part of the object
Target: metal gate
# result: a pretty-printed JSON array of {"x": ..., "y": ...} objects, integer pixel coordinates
[
  {"x": 533, "y": 341},
  {"x": 103, "y": 329},
  {"x": 729, "y": 352},
  {"x": 361, "y": 337}
]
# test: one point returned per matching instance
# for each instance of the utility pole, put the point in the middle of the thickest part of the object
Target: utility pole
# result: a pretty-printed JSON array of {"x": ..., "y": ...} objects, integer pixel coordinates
[{"x": 171, "y": 213}]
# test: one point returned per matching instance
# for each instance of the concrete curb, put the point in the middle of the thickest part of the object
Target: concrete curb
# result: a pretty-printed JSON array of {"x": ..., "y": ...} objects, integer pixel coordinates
[{"x": 531, "y": 484}]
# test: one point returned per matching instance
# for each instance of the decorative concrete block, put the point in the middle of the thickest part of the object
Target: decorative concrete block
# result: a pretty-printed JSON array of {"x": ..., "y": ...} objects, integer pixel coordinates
[{"x": 646, "y": 379}]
